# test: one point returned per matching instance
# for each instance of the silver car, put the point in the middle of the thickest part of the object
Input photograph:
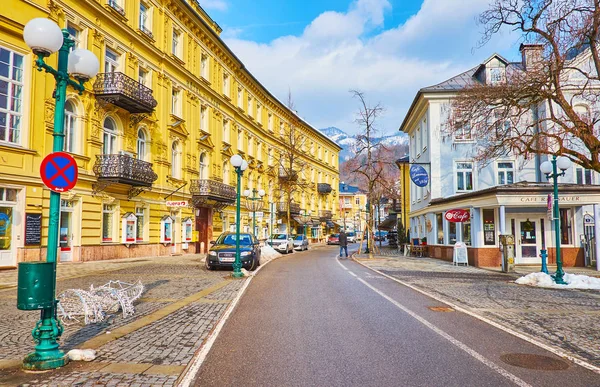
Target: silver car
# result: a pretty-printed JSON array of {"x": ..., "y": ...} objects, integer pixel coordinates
[
  {"x": 300, "y": 242},
  {"x": 281, "y": 242}
]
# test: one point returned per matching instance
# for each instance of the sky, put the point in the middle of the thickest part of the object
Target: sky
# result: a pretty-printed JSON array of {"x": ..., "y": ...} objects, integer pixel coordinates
[{"x": 388, "y": 49}]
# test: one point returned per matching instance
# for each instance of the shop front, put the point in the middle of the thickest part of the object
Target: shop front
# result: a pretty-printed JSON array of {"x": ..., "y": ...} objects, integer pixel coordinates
[{"x": 522, "y": 210}]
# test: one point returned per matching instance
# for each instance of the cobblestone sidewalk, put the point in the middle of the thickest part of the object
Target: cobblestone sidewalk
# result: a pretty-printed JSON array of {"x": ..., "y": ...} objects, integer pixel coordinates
[
  {"x": 181, "y": 305},
  {"x": 568, "y": 319}
]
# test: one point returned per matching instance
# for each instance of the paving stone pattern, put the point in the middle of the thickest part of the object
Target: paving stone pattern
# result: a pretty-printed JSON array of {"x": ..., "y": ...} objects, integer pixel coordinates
[
  {"x": 95, "y": 379},
  {"x": 568, "y": 319}
]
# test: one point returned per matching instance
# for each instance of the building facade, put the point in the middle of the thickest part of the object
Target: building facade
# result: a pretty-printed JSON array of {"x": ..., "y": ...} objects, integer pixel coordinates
[
  {"x": 152, "y": 135},
  {"x": 353, "y": 205},
  {"x": 508, "y": 196}
]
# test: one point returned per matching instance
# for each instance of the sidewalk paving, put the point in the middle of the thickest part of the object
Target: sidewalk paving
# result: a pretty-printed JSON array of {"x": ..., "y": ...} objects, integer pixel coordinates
[
  {"x": 179, "y": 308},
  {"x": 567, "y": 319}
]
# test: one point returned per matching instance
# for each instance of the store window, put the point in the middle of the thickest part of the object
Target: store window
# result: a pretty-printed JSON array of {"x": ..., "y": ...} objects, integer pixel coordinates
[
  {"x": 464, "y": 176},
  {"x": 566, "y": 230},
  {"x": 439, "y": 220},
  {"x": 466, "y": 232},
  {"x": 8, "y": 196},
  {"x": 489, "y": 228},
  {"x": 506, "y": 173},
  {"x": 451, "y": 233},
  {"x": 108, "y": 212},
  {"x": 140, "y": 213},
  {"x": 11, "y": 96}
]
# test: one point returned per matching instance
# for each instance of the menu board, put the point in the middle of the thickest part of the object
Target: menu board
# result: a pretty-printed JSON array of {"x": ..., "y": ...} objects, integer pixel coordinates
[{"x": 33, "y": 229}]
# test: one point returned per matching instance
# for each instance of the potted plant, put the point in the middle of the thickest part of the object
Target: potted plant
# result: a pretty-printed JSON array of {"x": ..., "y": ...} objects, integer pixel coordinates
[{"x": 424, "y": 241}]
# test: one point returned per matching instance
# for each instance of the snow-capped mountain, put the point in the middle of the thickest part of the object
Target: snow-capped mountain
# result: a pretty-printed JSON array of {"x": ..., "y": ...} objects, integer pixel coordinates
[{"x": 347, "y": 142}]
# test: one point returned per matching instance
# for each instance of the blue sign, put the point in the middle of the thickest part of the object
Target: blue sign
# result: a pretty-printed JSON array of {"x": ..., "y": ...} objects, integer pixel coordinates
[
  {"x": 419, "y": 175},
  {"x": 59, "y": 171}
]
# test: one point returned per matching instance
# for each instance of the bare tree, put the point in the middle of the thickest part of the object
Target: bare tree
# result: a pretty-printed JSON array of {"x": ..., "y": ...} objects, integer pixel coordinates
[
  {"x": 372, "y": 160},
  {"x": 291, "y": 166},
  {"x": 549, "y": 104}
]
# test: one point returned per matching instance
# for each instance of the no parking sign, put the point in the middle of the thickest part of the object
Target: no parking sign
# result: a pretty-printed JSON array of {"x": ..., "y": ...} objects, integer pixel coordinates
[{"x": 59, "y": 172}]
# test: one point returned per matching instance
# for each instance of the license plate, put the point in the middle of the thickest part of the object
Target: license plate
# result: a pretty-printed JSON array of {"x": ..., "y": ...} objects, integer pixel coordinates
[{"x": 227, "y": 259}]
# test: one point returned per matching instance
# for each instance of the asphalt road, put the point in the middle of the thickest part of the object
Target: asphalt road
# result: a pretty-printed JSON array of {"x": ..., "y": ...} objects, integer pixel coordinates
[{"x": 309, "y": 319}]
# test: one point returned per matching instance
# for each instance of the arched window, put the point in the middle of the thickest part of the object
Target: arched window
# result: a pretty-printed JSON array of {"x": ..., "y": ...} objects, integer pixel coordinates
[
  {"x": 70, "y": 144},
  {"x": 203, "y": 166},
  {"x": 175, "y": 160},
  {"x": 226, "y": 172},
  {"x": 109, "y": 145},
  {"x": 141, "y": 145}
]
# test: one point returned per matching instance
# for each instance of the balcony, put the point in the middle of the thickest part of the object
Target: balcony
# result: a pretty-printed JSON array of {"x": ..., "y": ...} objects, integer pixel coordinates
[
  {"x": 205, "y": 191},
  {"x": 325, "y": 214},
  {"x": 124, "y": 169},
  {"x": 294, "y": 208},
  {"x": 324, "y": 188},
  {"x": 124, "y": 92},
  {"x": 287, "y": 175}
]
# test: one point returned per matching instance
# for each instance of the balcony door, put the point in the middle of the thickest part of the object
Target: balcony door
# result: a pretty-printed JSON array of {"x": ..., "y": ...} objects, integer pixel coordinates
[{"x": 109, "y": 145}]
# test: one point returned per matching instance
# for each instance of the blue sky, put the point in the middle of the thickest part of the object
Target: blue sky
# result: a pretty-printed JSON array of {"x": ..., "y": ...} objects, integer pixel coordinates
[{"x": 388, "y": 49}]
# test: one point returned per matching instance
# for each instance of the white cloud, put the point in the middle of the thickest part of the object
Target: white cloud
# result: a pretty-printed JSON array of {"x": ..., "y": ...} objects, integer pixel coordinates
[
  {"x": 218, "y": 5},
  {"x": 338, "y": 52}
]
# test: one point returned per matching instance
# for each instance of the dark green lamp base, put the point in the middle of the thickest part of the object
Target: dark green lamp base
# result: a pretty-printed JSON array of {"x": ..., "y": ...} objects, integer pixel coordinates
[{"x": 36, "y": 361}]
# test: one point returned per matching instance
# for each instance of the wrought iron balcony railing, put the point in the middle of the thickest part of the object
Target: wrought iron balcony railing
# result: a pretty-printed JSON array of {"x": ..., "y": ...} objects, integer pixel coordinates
[
  {"x": 213, "y": 190},
  {"x": 294, "y": 208},
  {"x": 124, "y": 169},
  {"x": 125, "y": 92},
  {"x": 325, "y": 214},
  {"x": 287, "y": 175},
  {"x": 324, "y": 188}
]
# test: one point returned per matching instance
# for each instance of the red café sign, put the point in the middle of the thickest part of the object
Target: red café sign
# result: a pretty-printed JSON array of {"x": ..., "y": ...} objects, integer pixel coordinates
[{"x": 457, "y": 216}]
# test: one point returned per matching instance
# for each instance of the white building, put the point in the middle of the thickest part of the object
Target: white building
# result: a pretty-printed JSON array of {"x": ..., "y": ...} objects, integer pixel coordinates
[{"x": 508, "y": 196}]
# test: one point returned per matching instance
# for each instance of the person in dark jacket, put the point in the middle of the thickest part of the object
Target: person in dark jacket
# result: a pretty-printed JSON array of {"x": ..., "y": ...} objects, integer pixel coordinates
[{"x": 343, "y": 243}]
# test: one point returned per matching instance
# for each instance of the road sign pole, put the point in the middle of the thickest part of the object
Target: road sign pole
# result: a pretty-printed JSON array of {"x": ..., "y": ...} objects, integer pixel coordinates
[{"x": 47, "y": 354}]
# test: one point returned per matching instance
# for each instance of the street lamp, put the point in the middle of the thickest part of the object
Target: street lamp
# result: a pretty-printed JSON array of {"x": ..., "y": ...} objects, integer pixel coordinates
[
  {"x": 240, "y": 165},
  {"x": 305, "y": 218},
  {"x": 44, "y": 38},
  {"x": 254, "y": 204},
  {"x": 550, "y": 169}
]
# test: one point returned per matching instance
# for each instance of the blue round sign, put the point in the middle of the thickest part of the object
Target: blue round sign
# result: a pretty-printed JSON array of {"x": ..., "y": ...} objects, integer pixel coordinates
[
  {"x": 419, "y": 175},
  {"x": 59, "y": 171}
]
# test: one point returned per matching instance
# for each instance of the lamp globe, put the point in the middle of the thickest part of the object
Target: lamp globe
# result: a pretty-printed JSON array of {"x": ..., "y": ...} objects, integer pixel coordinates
[
  {"x": 83, "y": 64},
  {"x": 244, "y": 165},
  {"x": 563, "y": 163},
  {"x": 546, "y": 167},
  {"x": 236, "y": 161},
  {"x": 261, "y": 193},
  {"x": 43, "y": 36}
]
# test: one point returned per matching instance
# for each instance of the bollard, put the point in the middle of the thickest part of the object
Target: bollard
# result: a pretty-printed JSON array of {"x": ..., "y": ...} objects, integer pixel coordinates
[{"x": 544, "y": 256}]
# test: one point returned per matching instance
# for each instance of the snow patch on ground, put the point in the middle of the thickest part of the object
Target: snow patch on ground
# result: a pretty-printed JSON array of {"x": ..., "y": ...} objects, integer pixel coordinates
[
  {"x": 268, "y": 253},
  {"x": 82, "y": 354},
  {"x": 573, "y": 281}
]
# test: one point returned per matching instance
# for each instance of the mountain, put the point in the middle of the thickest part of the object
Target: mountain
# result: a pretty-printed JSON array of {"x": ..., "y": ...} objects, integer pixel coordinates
[{"x": 348, "y": 142}]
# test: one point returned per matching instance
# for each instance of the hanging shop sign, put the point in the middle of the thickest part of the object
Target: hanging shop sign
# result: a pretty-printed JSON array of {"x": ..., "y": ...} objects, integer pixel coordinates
[
  {"x": 419, "y": 176},
  {"x": 457, "y": 216},
  {"x": 177, "y": 204}
]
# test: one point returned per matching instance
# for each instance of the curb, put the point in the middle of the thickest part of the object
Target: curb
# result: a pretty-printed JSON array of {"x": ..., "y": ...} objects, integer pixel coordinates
[
  {"x": 522, "y": 336},
  {"x": 189, "y": 374}
]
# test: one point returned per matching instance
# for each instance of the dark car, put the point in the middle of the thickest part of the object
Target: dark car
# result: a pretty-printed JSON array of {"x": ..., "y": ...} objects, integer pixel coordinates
[
  {"x": 222, "y": 252},
  {"x": 334, "y": 239}
]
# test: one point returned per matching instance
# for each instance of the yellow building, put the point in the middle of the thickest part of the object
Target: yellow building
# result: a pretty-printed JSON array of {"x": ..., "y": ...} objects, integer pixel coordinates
[
  {"x": 152, "y": 135},
  {"x": 353, "y": 204}
]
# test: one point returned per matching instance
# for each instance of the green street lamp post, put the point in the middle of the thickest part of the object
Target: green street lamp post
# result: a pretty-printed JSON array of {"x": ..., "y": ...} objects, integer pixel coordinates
[
  {"x": 44, "y": 38},
  {"x": 550, "y": 169},
  {"x": 367, "y": 207},
  {"x": 254, "y": 203},
  {"x": 240, "y": 166},
  {"x": 305, "y": 218}
]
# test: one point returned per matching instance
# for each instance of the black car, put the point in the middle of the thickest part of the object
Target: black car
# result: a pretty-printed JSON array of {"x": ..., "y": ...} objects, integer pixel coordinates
[{"x": 222, "y": 252}]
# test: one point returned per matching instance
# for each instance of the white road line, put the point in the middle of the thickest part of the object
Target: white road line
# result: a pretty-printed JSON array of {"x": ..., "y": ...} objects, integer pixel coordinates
[
  {"x": 455, "y": 342},
  {"x": 352, "y": 274}
]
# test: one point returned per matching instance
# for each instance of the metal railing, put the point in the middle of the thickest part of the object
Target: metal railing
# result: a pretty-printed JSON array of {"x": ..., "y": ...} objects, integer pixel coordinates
[
  {"x": 324, "y": 188},
  {"x": 325, "y": 214},
  {"x": 138, "y": 98},
  {"x": 212, "y": 189},
  {"x": 294, "y": 208},
  {"x": 124, "y": 169}
]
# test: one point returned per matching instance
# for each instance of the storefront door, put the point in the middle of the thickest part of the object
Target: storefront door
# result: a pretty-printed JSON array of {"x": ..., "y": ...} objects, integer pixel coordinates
[
  {"x": 7, "y": 250},
  {"x": 528, "y": 238},
  {"x": 66, "y": 236}
]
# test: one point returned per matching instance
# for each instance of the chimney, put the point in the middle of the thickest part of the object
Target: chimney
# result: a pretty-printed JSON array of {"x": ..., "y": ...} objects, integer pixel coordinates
[{"x": 532, "y": 55}]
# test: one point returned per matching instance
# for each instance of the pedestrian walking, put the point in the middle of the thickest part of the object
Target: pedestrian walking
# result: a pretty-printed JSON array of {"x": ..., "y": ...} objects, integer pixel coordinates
[{"x": 343, "y": 243}]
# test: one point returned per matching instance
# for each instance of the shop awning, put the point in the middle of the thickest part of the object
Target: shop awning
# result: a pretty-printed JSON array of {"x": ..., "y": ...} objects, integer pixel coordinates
[
  {"x": 301, "y": 222},
  {"x": 339, "y": 223},
  {"x": 388, "y": 223},
  {"x": 329, "y": 224}
]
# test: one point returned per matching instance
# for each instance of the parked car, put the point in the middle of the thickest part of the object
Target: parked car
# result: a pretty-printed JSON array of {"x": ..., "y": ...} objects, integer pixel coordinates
[
  {"x": 281, "y": 242},
  {"x": 222, "y": 251},
  {"x": 301, "y": 242},
  {"x": 334, "y": 239},
  {"x": 351, "y": 237},
  {"x": 380, "y": 235}
]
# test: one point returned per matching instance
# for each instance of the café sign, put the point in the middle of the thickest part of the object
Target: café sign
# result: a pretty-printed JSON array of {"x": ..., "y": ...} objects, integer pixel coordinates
[
  {"x": 419, "y": 175},
  {"x": 457, "y": 216}
]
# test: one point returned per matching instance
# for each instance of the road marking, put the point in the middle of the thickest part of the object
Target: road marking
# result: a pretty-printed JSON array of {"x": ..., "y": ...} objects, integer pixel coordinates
[
  {"x": 521, "y": 336},
  {"x": 455, "y": 342},
  {"x": 352, "y": 273}
]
